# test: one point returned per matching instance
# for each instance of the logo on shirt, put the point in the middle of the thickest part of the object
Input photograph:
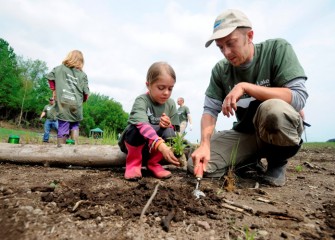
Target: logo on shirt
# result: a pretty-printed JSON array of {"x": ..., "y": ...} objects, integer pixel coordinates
[
  {"x": 264, "y": 83},
  {"x": 152, "y": 119}
]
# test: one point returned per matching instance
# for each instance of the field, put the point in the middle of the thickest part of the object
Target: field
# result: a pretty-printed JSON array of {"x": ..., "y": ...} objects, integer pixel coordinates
[{"x": 71, "y": 202}]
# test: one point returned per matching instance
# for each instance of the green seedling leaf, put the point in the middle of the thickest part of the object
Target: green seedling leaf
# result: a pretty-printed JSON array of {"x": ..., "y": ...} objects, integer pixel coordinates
[{"x": 177, "y": 144}]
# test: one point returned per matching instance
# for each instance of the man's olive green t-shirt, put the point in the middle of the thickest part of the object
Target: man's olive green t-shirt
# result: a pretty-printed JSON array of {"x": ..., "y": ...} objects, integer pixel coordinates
[
  {"x": 183, "y": 111},
  {"x": 71, "y": 86},
  {"x": 274, "y": 64},
  {"x": 50, "y": 112}
]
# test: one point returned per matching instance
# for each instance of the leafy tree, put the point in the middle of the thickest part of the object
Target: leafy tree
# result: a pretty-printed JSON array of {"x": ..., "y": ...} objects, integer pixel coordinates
[
  {"x": 10, "y": 83},
  {"x": 105, "y": 113},
  {"x": 35, "y": 90}
]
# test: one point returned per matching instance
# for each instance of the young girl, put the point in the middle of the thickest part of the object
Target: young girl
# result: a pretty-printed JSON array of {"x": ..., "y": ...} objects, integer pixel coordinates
[
  {"x": 152, "y": 120},
  {"x": 70, "y": 89}
]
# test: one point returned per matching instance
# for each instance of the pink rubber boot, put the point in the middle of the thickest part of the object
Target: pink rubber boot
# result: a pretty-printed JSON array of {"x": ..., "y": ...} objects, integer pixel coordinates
[
  {"x": 154, "y": 166},
  {"x": 133, "y": 162}
]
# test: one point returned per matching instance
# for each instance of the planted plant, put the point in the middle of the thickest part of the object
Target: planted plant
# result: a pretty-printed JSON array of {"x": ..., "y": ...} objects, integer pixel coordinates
[
  {"x": 230, "y": 180},
  {"x": 298, "y": 168},
  {"x": 178, "y": 145}
]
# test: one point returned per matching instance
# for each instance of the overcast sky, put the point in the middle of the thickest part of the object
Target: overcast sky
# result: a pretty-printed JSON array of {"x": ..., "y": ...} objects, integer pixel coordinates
[{"x": 121, "y": 39}]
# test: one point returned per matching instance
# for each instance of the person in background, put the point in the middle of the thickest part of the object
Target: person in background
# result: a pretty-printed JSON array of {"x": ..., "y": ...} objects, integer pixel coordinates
[
  {"x": 264, "y": 85},
  {"x": 152, "y": 120},
  {"x": 184, "y": 115},
  {"x": 51, "y": 119},
  {"x": 70, "y": 89}
]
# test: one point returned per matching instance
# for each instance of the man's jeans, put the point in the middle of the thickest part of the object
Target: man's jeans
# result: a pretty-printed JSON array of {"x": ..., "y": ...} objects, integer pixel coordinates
[{"x": 48, "y": 125}]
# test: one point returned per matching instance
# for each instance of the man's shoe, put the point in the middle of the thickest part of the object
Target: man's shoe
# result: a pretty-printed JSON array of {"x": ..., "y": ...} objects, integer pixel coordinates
[{"x": 275, "y": 176}]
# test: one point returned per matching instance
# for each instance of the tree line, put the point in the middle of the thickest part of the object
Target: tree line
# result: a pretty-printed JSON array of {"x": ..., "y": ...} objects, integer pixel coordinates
[{"x": 24, "y": 91}]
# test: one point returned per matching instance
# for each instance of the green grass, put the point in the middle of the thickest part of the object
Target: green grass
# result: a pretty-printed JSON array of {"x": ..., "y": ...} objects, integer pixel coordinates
[
  {"x": 33, "y": 137},
  {"x": 27, "y": 136},
  {"x": 318, "y": 145},
  {"x": 110, "y": 138}
]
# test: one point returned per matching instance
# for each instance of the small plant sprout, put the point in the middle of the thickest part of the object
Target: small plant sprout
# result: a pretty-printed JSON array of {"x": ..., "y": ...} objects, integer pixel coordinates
[
  {"x": 249, "y": 235},
  {"x": 230, "y": 180},
  {"x": 298, "y": 168},
  {"x": 178, "y": 145},
  {"x": 54, "y": 183}
]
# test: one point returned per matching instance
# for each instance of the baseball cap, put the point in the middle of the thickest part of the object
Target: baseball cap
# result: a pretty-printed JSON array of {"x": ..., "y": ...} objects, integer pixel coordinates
[
  {"x": 51, "y": 99},
  {"x": 226, "y": 23}
]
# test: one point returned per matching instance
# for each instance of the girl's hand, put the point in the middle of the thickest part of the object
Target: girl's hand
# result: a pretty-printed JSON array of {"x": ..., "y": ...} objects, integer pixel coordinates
[
  {"x": 168, "y": 154},
  {"x": 165, "y": 121}
]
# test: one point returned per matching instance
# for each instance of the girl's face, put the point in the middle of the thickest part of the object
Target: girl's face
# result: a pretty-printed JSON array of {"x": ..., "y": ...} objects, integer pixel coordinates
[{"x": 160, "y": 91}]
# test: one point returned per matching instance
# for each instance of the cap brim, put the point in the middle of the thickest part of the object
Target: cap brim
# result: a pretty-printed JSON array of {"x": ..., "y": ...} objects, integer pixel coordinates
[{"x": 220, "y": 34}]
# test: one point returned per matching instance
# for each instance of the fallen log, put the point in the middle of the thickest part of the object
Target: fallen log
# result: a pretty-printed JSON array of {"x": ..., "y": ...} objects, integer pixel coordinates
[{"x": 76, "y": 155}]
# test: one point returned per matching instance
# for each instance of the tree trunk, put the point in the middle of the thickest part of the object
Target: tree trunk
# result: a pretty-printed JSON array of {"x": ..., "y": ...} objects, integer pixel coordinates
[{"x": 75, "y": 155}]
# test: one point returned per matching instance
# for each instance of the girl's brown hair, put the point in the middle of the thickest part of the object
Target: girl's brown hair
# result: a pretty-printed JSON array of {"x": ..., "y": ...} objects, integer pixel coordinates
[
  {"x": 156, "y": 69},
  {"x": 74, "y": 59}
]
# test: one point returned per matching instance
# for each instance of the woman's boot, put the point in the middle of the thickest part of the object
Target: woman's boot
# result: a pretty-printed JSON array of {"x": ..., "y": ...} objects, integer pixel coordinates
[
  {"x": 133, "y": 162},
  {"x": 154, "y": 166}
]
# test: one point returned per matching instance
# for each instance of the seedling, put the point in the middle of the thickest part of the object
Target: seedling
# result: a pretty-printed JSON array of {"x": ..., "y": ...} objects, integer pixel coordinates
[
  {"x": 54, "y": 183},
  {"x": 178, "y": 145},
  {"x": 298, "y": 168},
  {"x": 230, "y": 176}
]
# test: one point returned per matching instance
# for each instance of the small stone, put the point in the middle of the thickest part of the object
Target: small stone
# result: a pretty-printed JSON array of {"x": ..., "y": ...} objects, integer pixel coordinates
[
  {"x": 205, "y": 225},
  {"x": 263, "y": 233}
]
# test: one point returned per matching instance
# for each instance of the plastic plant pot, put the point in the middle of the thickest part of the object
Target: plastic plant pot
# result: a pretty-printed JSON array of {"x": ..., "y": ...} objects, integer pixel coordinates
[
  {"x": 70, "y": 141},
  {"x": 14, "y": 139}
]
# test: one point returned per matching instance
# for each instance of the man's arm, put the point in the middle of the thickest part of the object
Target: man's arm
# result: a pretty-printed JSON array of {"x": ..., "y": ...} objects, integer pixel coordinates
[
  {"x": 201, "y": 155},
  {"x": 42, "y": 115},
  {"x": 208, "y": 123},
  {"x": 264, "y": 93},
  {"x": 294, "y": 93},
  {"x": 189, "y": 118},
  {"x": 212, "y": 108}
]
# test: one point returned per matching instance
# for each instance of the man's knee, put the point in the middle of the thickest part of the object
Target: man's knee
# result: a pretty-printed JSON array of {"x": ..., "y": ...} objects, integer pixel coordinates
[
  {"x": 275, "y": 153},
  {"x": 277, "y": 122}
]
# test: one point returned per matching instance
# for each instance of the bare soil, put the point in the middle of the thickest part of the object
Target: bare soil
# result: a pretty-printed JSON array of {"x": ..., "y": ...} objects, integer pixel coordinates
[{"x": 38, "y": 202}]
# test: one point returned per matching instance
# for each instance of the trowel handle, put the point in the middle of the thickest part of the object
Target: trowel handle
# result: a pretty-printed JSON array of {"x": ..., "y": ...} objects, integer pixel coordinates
[{"x": 199, "y": 171}]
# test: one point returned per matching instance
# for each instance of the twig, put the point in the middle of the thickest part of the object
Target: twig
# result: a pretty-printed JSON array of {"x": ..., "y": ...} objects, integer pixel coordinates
[
  {"x": 8, "y": 196},
  {"x": 279, "y": 215},
  {"x": 149, "y": 201},
  {"x": 166, "y": 220},
  {"x": 237, "y": 209},
  {"x": 77, "y": 204},
  {"x": 188, "y": 227},
  {"x": 263, "y": 200},
  {"x": 245, "y": 207}
]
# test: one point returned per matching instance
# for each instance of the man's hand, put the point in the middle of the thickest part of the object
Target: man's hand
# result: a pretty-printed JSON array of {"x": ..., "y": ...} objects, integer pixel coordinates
[
  {"x": 229, "y": 105},
  {"x": 200, "y": 158},
  {"x": 168, "y": 154},
  {"x": 165, "y": 121}
]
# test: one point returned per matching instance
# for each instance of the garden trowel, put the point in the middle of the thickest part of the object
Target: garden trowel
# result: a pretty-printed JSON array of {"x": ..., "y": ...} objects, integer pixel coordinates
[{"x": 199, "y": 172}]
